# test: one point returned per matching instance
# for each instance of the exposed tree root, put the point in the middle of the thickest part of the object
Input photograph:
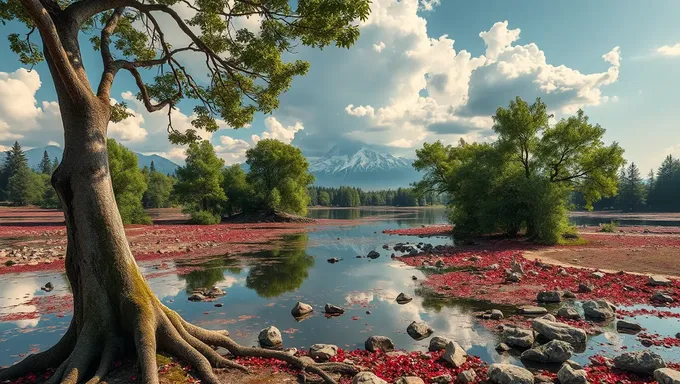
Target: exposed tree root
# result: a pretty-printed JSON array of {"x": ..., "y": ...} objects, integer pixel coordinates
[{"x": 75, "y": 357}]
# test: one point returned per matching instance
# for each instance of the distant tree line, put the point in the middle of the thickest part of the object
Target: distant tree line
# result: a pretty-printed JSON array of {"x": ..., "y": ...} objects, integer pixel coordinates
[
  {"x": 660, "y": 191},
  {"x": 21, "y": 185},
  {"x": 355, "y": 197}
]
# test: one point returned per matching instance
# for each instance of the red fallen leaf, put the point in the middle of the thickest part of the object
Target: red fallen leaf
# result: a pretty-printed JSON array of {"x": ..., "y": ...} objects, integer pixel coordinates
[{"x": 355, "y": 318}]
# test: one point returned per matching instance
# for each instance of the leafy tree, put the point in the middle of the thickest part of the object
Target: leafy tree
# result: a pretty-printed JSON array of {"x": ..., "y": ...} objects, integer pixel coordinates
[
  {"x": 324, "y": 199},
  {"x": 279, "y": 177},
  {"x": 524, "y": 180},
  {"x": 49, "y": 198},
  {"x": 243, "y": 73},
  {"x": 45, "y": 165},
  {"x": 663, "y": 193},
  {"x": 159, "y": 188},
  {"x": 26, "y": 187},
  {"x": 199, "y": 184},
  {"x": 239, "y": 193},
  {"x": 128, "y": 183}
]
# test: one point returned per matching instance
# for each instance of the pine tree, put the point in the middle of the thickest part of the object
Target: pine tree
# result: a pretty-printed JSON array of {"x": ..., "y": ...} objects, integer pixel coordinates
[
  {"x": 15, "y": 160},
  {"x": 152, "y": 167},
  {"x": 55, "y": 164},
  {"x": 45, "y": 165},
  {"x": 632, "y": 195}
]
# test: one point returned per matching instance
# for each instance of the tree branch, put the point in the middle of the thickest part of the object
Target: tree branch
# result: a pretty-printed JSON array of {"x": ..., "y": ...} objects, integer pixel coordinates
[
  {"x": 110, "y": 70},
  {"x": 53, "y": 44},
  {"x": 142, "y": 88}
]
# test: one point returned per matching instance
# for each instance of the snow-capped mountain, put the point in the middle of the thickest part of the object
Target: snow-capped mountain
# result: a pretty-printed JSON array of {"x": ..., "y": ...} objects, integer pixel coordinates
[{"x": 364, "y": 168}]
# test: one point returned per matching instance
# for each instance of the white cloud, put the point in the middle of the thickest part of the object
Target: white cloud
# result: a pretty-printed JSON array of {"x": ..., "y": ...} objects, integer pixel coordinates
[
  {"x": 53, "y": 143},
  {"x": 232, "y": 150},
  {"x": 428, "y": 5},
  {"x": 613, "y": 57},
  {"x": 379, "y": 47},
  {"x": 276, "y": 130},
  {"x": 669, "y": 50}
]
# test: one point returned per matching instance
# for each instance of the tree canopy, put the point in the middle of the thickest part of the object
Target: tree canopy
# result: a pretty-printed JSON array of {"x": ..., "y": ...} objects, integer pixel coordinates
[{"x": 523, "y": 180}]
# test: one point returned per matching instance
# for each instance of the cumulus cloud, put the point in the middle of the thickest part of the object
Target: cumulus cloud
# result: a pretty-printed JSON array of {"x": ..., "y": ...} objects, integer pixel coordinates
[
  {"x": 276, "y": 130},
  {"x": 669, "y": 50},
  {"x": 379, "y": 47},
  {"x": 232, "y": 150}
]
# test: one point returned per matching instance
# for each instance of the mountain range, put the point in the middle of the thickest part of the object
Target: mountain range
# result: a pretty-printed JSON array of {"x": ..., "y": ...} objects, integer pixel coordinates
[
  {"x": 364, "y": 168},
  {"x": 163, "y": 165}
]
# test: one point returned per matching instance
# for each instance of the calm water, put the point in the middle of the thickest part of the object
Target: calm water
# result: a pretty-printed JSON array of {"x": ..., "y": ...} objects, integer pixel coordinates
[{"x": 263, "y": 287}]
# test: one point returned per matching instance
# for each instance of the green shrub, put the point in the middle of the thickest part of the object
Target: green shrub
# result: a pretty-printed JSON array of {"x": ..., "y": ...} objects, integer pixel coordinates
[
  {"x": 205, "y": 218},
  {"x": 609, "y": 227}
]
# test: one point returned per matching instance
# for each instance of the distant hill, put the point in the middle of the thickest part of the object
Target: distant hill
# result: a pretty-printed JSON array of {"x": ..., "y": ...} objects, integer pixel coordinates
[
  {"x": 163, "y": 165},
  {"x": 365, "y": 168}
]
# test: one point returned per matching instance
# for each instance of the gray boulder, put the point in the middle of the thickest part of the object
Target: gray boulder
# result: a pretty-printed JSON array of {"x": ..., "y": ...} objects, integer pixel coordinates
[
  {"x": 568, "y": 313},
  {"x": 517, "y": 337},
  {"x": 196, "y": 297},
  {"x": 659, "y": 281},
  {"x": 569, "y": 375},
  {"x": 549, "y": 297},
  {"x": 662, "y": 297},
  {"x": 270, "y": 338},
  {"x": 419, "y": 330},
  {"x": 367, "y": 378},
  {"x": 323, "y": 352},
  {"x": 667, "y": 376},
  {"x": 585, "y": 287},
  {"x": 549, "y": 317},
  {"x": 509, "y": 374},
  {"x": 599, "y": 310},
  {"x": 454, "y": 354},
  {"x": 442, "y": 379},
  {"x": 640, "y": 362},
  {"x": 382, "y": 343},
  {"x": 438, "y": 343},
  {"x": 559, "y": 331},
  {"x": 496, "y": 314},
  {"x": 555, "y": 351},
  {"x": 300, "y": 309}
]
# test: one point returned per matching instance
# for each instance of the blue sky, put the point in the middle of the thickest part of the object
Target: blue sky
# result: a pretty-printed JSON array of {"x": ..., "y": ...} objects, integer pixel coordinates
[{"x": 403, "y": 84}]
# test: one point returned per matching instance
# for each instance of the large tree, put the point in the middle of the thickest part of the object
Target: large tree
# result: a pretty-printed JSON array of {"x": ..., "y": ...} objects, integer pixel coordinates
[
  {"x": 279, "y": 176},
  {"x": 243, "y": 73}
]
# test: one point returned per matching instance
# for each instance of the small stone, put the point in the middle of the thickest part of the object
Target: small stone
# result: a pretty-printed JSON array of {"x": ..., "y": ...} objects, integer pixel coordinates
[
  {"x": 466, "y": 377},
  {"x": 438, "y": 343},
  {"x": 639, "y": 362},
  {"x": 502, "y": 347},
  {"x": 454, "y": 354},
  {"x": 585, "y": 287},
  {"x": 270, "y": 338},
  {"x": 331, "y": 309},
  {"x": 291, "y": 351},
  {"x": 215, "y": 292},
  {"x": 414, "y": 278},
  {"x": 300, "y": 309},
  {"x": 568, "y": 375},
  {"x": 493, "y": 267},
  {"x": 658, "y": 281},
  {"x": 373, "y": 255},
  {"x": 667, "y": 376},
  {"x": 409, "y": 380},
  {"x": 442, "y": 379},
  {"x": 368, "y": 312},
  {"x": 333, "y": 260},
  {"x": 509, "y": 374},
  {"x": 513, "y": 277},
  {"x": 323, "y": 352},
  {"x": 568, "y": 294},
  {"x": 549, "y": 317},
  {"x": 367, "y": 378},
  {"x": 219, "y": 305},
  {"x": 597, "y": 275},
  {"x": 599, "y": 310},
  {"x": 625, "y": 326},
  {"x": 404, "y": 298},
  {"x": 419, "y": 330},
  {"x": 48, "y": 287},
  {"x": 532, "y": 310},
  {"x": 382, "y": 343},
  {"x": 496, "y": 314}
]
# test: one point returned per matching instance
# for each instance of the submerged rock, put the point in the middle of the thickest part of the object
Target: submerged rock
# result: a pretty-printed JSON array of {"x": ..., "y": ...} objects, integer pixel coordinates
[
  {"x": 419, "y": 330},
  {"x": 639, "y": 362},
  {"x": 628, "y": 326},
  {"x": 196, "y": 297},
  {"x": 333, "y": 260},
  {"x": 404, "y": 298},
  {"x": 270, "y": 338},
  {"x": 555, "y": 351},
  {"x": 331, "y": 309},
  {"x": 300, "y": 309},
  {"x": 568, "y": 313},
  {"x": 382, "y": 343},
  {"x": 509, "y": 374},
  {"x": 48, "y": 287},
  {"x": 373, "y": 255}
]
